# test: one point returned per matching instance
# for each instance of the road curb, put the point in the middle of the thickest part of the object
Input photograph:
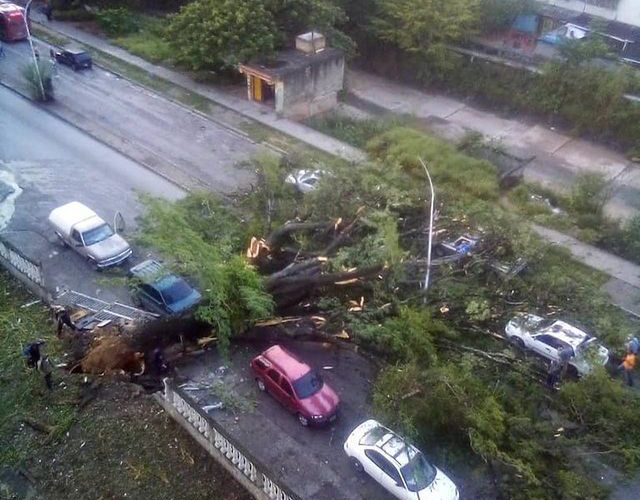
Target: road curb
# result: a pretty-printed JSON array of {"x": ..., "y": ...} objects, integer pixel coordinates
[
  {"x": 98, "y": 138},
  {"x": 241, "y": 133}
]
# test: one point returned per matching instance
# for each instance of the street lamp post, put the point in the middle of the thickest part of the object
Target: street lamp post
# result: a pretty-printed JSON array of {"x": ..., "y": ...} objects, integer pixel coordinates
[
  {"x": 33, "y": 51},
  {"x": 433, "y": 196}
]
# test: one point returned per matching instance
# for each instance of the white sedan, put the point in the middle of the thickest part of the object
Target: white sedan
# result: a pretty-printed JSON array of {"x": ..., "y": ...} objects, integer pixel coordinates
[
  {"x": 396, "y": 465},
  {"x": 550, "y": 337}
]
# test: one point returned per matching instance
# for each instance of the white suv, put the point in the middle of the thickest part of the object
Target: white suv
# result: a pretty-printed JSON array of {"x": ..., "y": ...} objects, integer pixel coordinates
[
  {"x": 549, "y": 337},
  {"x": 396, "y": 465}
]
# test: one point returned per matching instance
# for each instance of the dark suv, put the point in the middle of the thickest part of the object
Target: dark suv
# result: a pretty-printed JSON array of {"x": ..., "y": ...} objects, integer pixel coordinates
[
  {"x": 76, "y": 58},
  {"x": 159, "y": 291}
]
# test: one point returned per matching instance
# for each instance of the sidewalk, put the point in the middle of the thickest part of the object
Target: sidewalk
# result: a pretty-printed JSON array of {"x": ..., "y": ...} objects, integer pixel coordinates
[
  {"x": 558, "y": 158},
  {"x": 244, "y": 107}
]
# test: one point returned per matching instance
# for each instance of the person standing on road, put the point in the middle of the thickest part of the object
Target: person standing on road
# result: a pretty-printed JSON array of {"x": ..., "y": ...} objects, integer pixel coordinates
[{"x": 628, "y": 365}]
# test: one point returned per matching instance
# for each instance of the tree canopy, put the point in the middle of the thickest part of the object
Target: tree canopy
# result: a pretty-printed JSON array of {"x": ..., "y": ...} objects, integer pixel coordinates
[
  {"x": 424, "y": 27},
  {"x": 219, "y": 34}
]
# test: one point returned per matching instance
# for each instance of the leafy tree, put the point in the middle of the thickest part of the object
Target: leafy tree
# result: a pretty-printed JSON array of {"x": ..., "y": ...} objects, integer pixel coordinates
[
  {"x": 425, "y": 27},
  {"x": 293, "y": 17},
  {"x": 219, "y": 34},
  {"x": 498, "y": 14},
  {"x": 118, "y": 21}
]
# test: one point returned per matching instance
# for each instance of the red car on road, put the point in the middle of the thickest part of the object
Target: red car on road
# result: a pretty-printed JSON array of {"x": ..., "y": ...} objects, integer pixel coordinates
[{"x": 293, "y": 383}]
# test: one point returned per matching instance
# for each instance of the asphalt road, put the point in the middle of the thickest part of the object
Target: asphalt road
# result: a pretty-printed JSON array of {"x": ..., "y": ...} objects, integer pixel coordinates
[
  {"x": 169, "y": 138},
  {"x": 53, "y": 163}
]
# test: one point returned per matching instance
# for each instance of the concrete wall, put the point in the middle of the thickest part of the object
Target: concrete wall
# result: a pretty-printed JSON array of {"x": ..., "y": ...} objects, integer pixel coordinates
[
  {"x": 624, "y": 11},
  {"x": 313, "y": 90}
]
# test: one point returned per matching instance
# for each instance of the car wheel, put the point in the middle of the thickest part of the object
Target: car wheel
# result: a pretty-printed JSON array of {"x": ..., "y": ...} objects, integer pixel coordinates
[
  {"x": 304, "y": 421},
  {"x": 261, "y": 385},
  {"x": 356, "y": 464},
  {"x": 518, "y": 342}
]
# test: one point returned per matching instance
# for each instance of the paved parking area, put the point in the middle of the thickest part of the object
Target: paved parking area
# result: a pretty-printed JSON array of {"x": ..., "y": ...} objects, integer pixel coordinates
[{"x": 310, "y": 461}]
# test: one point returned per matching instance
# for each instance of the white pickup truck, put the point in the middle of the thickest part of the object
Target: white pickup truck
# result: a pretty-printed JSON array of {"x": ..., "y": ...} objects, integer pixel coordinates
[{"x": 84, "y": 231}]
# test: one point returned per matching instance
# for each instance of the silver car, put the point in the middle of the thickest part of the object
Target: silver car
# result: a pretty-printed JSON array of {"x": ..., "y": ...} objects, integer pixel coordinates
[{"x": 85, "y": 232}]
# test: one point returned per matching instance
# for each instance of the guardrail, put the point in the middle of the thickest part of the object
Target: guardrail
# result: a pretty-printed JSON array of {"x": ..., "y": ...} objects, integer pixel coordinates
[{"x": 226, "y": 450}]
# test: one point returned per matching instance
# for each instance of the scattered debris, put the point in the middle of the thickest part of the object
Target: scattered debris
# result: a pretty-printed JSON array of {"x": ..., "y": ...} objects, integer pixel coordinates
[
  {"x": 216, "y": 406},
  {"x": 29, "y": 304}
]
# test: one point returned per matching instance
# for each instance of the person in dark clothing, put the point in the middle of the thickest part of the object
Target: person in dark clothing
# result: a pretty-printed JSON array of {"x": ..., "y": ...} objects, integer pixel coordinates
[
  {"x": 158, "y": 360},
  {"x": 553, "y": 374},
  {"x": 32, "y": 353},
  {"x": 48, "y": 10},
  {"x": 44, "y": 367},
  {"x": 63, "y": 318},
  {"x": 558, "y": 368}
]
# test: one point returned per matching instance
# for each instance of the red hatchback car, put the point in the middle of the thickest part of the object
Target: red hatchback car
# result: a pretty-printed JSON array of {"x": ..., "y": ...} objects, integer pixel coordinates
[{"x": 299, "y": 388}]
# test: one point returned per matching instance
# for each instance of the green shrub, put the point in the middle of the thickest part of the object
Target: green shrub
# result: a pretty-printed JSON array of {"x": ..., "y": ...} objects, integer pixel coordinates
[
  {"x": 588, "y": 198},
  {"x": 455, "y": 172},
  {"x": 44, "y": 74},
  {"x": 118, "y": 21},
  {"x": 351, "y": 130}
]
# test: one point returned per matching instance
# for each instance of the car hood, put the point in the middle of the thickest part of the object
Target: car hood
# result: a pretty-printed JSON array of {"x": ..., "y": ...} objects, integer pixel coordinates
[
  {"x": 585, "y": 362},
  {"x": 441, "y": 488},
  {"x": 184, "y": 304},
  {"x": 324, "y": 402},
  {"x": 108, "y": 248}
]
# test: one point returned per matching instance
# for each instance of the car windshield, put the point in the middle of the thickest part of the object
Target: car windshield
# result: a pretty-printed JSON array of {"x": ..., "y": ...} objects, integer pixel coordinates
[
  {"x": 418, "y": 473},
  {"x": 545, "y": 323},
  {"x": 173, "y": 289},
  {"x": 308, "y": 384},
  {"x": 373, "y": 436},
  {"x": 97, "y": 234}
]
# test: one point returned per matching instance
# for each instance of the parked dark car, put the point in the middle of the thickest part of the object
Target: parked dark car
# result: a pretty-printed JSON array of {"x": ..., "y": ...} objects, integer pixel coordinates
[
  {"x": 298, "y": 387},
  {"x": 159, "y": 291},
  {"x": 76, "y": 58}
]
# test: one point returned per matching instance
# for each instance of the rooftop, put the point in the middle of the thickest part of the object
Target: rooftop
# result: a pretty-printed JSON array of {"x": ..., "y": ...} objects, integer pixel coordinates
[{"x": 291, "y": 61}]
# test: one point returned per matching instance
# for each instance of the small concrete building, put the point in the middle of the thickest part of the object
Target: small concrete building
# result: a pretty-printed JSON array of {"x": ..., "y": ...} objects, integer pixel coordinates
[{"x": 301, "y": 82}]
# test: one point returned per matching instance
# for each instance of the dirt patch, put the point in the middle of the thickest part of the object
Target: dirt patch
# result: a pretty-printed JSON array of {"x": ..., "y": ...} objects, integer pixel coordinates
[{"x": 123, "y": 445}]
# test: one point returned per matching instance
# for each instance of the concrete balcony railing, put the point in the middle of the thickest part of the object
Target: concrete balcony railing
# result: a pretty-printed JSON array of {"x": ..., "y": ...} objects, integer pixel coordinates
[{"x": 253, "y": 475}]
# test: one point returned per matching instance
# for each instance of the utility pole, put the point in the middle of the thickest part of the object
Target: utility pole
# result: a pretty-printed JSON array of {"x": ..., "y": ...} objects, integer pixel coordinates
[
  {"x": 433, "y": 196},
  {"x": 33, "y": 51}
]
